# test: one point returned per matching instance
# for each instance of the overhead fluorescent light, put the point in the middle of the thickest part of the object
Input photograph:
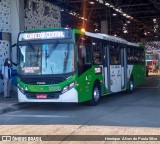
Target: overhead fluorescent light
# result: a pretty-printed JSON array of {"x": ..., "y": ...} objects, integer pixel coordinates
[{"x": 91, "y": 2}]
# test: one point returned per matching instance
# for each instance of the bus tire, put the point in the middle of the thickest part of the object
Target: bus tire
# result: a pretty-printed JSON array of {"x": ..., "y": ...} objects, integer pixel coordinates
[
  {"x": 131, "y": 86},
  {"x": 96, "y": 94}
]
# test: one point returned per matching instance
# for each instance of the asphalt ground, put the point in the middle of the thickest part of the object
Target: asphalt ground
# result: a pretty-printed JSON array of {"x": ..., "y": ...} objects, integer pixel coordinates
[{"x": 119, "y": 114}]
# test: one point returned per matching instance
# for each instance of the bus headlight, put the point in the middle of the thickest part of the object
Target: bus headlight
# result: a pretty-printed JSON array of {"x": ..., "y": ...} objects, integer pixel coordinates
[
  {"x": 66, "y": 88},
  {"x": 20, "y": 88},
  {"x": 72, "y": 84}
]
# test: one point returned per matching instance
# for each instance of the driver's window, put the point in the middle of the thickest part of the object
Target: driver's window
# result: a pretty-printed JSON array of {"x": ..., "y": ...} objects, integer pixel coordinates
[
  {"x": 97, "y": 56},
  {"x": 84, "y": 50}
]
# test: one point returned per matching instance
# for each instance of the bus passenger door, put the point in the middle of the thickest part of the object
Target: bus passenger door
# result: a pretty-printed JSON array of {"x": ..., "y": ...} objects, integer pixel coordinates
[
  {"x": 115, "y": 68},
  {"x": 123, "y": 68},
  {"x": 106, "y": 68}
]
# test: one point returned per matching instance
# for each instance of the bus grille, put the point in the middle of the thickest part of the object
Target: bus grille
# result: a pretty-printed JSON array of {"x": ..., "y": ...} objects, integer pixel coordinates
[
  {"x": 43, "y": 80},
  {"x": 49, "y": 95}
]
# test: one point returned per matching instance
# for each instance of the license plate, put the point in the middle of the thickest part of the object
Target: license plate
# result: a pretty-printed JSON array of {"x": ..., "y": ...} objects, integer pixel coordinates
[{"x": 41, "y": 96}]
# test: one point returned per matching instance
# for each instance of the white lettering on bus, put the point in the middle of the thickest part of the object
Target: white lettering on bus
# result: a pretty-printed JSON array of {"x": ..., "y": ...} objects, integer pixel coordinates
[
  {"x": 44, "y": 35},
  {"x": 30, "y": 69}
]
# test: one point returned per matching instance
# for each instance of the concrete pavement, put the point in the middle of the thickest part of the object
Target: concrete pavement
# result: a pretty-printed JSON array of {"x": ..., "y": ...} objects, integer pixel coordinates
[
  {"x": 9, "y": 104},
  {"x": 121, "y": 114},
  {"x": 12, "y": 104}
]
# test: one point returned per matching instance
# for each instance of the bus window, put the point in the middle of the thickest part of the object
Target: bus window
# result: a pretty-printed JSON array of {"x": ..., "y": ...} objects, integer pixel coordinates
[
  {"x": 114, "y": 55},
  {"x": 96, "y": 52},
  {"x": 84, "y": 54},
  {"x": 88, "y": 54},
  {"x": 84, "y": 58},
  {"x": 84, "y": 49},
  {"x": 130, "y": 55},
  {"x": 142, "y": 60},
  {"x": 136, "y": 55},
  {"x": 81, "y": 54}
]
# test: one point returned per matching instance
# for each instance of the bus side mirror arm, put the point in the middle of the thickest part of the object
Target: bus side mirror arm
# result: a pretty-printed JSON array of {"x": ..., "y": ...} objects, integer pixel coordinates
[{"x": 13, "y": 45}]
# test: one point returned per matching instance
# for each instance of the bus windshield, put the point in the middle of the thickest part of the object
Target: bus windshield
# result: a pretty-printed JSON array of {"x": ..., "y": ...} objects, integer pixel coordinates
[
  {"x": 149, "y": 57},
  {"x": 44, "y": 59},
  {"x": 149, "y": 62}
]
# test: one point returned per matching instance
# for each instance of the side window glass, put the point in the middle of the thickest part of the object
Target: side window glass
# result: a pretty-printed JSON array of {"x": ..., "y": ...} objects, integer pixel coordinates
[
  {"x": 81, "y": 54},
  {"x": 84, "y": 50},
  {"x": 130, "y": 55},
  {"x": 142, "y": 60},
  {"x": 88, "y": 59},
  {"x": 136, "y": 55},
  {"x": 97, "y": 57},
  {"x": 114, "y": 55}
]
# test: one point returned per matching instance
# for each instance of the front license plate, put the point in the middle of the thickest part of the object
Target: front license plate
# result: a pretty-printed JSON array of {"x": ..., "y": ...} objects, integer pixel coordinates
[{"x": 41, "y": 96}]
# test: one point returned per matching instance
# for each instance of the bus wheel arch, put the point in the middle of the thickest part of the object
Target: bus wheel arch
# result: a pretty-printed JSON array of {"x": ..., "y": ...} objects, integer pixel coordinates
[{"x": 96, "y": 93}]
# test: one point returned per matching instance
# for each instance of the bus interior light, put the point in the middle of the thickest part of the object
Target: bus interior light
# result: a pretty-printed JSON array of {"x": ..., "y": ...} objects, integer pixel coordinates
[{"x": 91, "y": 2}]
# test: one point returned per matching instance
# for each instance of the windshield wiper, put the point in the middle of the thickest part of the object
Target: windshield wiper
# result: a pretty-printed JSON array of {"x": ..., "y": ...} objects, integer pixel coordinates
[
  {"x": 50, "y": 51},
  {"x": 31, "y": 46}
]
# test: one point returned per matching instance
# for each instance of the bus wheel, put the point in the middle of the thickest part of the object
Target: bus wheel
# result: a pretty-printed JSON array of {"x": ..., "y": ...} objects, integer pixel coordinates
[
  {"x": 96, "y": 93},
  {"x": 131, "y": 86}
]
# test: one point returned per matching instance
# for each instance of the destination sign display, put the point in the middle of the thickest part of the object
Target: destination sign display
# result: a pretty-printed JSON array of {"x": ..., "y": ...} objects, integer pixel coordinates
[{"x": 44, "y": 35}]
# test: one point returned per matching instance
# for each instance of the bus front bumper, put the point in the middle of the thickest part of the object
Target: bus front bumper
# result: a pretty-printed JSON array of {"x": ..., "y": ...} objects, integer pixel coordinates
[{"x": 69, "y": 96}]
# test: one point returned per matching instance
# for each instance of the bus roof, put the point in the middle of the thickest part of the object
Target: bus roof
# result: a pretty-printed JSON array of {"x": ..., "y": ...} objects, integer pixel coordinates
[
  {"x": 133, "y": 44},
  {"x": 106, "y": 37},
  {"x": 95, "y": 35}
]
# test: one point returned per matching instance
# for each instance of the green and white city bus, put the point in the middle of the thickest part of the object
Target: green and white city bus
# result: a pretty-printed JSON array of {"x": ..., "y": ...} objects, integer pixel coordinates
[{"x": 70, "y": 65}]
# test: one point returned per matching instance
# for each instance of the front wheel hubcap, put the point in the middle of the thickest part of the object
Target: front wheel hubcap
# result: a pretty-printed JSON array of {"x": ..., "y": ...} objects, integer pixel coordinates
[
  {"x": 96, "y": 94},
  {"x": 131, "y": 85}
]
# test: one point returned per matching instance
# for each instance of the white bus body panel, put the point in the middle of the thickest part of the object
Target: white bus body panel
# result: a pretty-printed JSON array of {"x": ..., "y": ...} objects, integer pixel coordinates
[
  {"x": 122, "y": 71},
  {"x": 116, "y": 78},
  {"x": 106, "y": 77},
  {"x": 69, "y": 96}
]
